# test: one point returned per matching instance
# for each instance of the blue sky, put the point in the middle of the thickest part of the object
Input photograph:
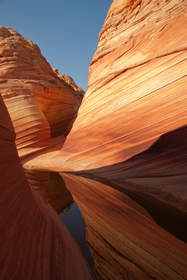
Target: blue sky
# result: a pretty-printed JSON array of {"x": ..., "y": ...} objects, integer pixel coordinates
[{"x": 65, "y": 30}]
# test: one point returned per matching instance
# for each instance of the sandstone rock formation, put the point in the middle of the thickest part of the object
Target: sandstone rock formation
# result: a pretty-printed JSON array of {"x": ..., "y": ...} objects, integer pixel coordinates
[
  {"x": 125, "y": 160},
  {"x": 42, "y": 105},
  {"x": 34, "y": 242}
]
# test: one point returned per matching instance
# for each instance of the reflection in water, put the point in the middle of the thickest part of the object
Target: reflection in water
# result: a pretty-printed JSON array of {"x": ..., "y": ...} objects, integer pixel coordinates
[
  {"x": 51, "y": 187},
  {"x": 125, "y": 240},
  {"x": 75, "y": 224},
  {"x": 155, "y": 179}
]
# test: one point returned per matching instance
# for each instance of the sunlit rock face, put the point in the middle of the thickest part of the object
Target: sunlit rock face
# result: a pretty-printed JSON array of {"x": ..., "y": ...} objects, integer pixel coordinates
[
  {"x": 137, "y": 84},
  {"x": 42, "y": 105}
]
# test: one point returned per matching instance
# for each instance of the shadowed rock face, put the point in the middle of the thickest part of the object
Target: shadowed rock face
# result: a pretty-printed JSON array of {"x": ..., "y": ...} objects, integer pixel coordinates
[{"x": 34, "y": 242}]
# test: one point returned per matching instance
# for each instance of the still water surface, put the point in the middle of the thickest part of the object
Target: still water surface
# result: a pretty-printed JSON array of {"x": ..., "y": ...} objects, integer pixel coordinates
[{"x": 73, "y": 220}]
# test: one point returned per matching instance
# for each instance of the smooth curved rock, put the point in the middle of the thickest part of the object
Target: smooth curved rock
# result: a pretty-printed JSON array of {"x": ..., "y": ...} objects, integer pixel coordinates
[{"x": 34, "y": 242}]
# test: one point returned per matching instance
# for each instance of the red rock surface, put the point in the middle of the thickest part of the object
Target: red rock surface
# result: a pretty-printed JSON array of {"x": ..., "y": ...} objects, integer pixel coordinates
[{"x": 34, "y": 242}]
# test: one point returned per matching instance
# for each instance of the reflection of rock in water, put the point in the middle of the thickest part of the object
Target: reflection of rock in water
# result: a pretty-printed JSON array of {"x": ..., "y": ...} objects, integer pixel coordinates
[
  {"x": 155, "y": 179},
  {"x": 125, "y": 240},
  {"x": 51, "y": 187}
]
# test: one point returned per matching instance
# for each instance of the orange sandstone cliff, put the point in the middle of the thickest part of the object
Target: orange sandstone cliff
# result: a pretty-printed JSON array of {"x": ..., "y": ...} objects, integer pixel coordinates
[
  {"x": 137, "y": 83},
  {"x": 125, "y": 160}
]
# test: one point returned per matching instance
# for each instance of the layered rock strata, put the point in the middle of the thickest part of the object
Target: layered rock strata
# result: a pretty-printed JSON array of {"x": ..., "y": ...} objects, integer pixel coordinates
[{"x": 137, "y": 84}]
